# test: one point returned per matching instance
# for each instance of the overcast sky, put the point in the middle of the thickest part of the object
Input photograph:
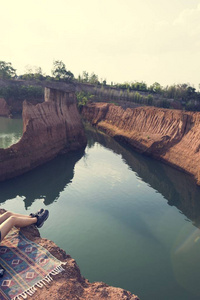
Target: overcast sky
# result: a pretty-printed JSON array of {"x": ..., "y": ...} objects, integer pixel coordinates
[{"x": 119, "y": 40}]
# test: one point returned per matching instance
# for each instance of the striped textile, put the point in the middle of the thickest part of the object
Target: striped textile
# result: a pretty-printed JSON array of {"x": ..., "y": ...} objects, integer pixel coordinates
[{"x": 28, "y": 266}]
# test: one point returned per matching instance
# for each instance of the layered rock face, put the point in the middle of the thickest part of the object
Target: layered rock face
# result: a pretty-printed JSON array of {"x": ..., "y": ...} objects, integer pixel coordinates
[
  {"x": 170, "y": 135},
  {"x": 4, "y": 109},
  {"x": 50, "y": 128}
]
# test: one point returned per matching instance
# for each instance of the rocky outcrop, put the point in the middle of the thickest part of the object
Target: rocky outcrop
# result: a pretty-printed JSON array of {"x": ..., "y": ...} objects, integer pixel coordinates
[
  {"x": 49, "y": 128},
  {"x": 4, "y": 109},
  {"x": 170, "y": 135},
  {"x": 70, "y": 284}
]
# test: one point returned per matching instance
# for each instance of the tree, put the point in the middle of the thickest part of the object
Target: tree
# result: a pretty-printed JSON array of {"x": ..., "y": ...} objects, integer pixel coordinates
[
  {"x": 156, "y": 88},
  {"x": 33, "y": 73},
  {"x": 38, "y": 75},
  {"x": 60, "y": 72},
  {"x": 85, "y": 76},
  {"x": 191, "y": 92},
  {"x": 93, "y": 79},
  {"x": 6, "y": 70}
]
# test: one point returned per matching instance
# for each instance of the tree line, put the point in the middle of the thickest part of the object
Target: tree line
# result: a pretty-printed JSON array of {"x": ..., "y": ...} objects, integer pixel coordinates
[
  {"x": 183, "y": 96},
  {"x": 59, "y": 72}
]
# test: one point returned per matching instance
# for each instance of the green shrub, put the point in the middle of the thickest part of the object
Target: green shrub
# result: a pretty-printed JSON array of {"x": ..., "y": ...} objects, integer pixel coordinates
[{"x": 22, "y": 92}]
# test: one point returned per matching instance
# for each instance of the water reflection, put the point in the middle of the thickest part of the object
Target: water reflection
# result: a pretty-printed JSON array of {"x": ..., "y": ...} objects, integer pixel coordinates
[
  {"x": 178, "y": 189},
  {"x": 45, "y": 182},
  {"x": 48, "y": 181},
  {"x": 10, "y": 131}
]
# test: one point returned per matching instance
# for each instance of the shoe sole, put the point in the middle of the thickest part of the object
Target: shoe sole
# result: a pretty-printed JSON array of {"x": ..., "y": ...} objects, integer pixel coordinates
[{"x": 39, "y": 226}]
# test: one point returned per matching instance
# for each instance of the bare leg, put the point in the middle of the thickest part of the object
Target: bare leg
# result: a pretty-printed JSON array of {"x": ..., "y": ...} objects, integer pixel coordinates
[
  {"x": 8, "y": 214},
  {"x": 13, "y": 220}
]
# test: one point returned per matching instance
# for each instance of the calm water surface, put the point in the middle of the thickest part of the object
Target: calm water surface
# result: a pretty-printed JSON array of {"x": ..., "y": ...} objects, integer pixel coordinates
[
  {"x": 10, "y": 131},
  {"x": 128, "y": 220}
]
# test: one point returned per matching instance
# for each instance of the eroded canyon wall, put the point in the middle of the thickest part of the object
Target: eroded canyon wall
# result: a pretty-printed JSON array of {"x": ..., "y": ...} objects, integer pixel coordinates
[
  {"x": 50, "y": 128},
  {"x": 170, "y": 135},
  {"x": 4, "y": 108}
]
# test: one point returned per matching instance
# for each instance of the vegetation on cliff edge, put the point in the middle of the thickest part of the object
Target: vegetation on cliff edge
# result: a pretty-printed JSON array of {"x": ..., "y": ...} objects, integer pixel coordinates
[{"x": 182, "y": 96}]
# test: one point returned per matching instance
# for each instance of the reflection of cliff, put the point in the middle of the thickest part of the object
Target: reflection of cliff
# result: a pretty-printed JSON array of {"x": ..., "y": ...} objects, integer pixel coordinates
[
  {"x": 45, "y": 182},
  {"x": 169, "y": 135},
  {"x": 49, "y": 128},
  {"x": 178, "y": 188}
]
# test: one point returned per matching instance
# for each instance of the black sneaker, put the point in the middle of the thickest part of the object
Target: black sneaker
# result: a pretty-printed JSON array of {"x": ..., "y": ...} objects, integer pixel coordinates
[
  {"x": 42, "y": 218},
  {"x": 37, "y": 213}
]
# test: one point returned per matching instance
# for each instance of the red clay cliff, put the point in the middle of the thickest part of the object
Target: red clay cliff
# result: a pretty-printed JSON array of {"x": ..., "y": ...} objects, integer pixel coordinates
[
  {"x": 49, "y": 128},
  {"x": 170, "y": 135}
]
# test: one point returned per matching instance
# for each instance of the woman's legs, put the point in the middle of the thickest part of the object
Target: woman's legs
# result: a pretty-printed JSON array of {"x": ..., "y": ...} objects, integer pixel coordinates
[
  {"x": 15, "y": 220},
  {"x": 10, "y": 219},
  {"x": 8, "y": 214}
]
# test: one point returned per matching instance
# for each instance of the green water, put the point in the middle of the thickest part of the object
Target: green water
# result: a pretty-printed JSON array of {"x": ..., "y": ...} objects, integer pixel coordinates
[
  {"x": 127, "y": 220},
  {"x": 10, "y": 131}
]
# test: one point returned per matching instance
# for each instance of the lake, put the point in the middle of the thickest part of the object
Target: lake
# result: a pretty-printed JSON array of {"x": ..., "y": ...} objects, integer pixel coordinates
[
  {"x": 127, "y": 220},
  {"x": 10, "y": 131}
]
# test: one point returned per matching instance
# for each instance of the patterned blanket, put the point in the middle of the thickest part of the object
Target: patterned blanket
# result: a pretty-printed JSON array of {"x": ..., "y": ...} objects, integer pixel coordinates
[{"x": 28, "y": 266}]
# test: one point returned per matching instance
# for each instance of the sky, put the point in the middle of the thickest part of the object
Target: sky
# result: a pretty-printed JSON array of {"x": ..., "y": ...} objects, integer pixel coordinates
[{"x": 119, "y": 40}]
